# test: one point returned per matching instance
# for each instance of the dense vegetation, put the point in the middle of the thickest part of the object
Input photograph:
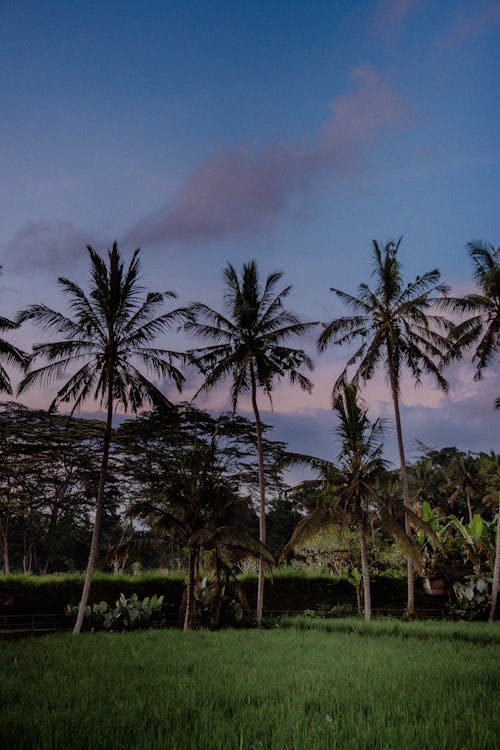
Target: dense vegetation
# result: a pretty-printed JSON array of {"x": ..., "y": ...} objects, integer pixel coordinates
[{"x": 178, "y": 487}]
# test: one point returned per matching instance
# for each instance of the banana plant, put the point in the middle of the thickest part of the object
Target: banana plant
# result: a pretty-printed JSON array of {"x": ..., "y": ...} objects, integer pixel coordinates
[{"x": 459, "y": 542}]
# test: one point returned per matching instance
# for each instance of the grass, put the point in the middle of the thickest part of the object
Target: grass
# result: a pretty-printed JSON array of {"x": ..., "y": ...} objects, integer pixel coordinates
[
  {"x": 242, "y": 690},
  {"x": 37, "y": 582},
  {"x": 471, "y": 632}
]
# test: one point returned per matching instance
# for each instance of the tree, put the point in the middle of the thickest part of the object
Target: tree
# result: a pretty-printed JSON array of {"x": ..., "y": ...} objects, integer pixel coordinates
[
  {"x": 9, "y": 354},
  {"x": 485, "y": 306},
  {"x": 396, "y": 328},
  {"x": 250, "y": 347},
  {"x": 490, "y": 470},
  {"x": 350, "y": 490},
  {"x": 111, "y": 328},
  {"x": 187, "y": 470},
  {"x": 463, "y": 479},
  {"x": 47, "y": 485}
]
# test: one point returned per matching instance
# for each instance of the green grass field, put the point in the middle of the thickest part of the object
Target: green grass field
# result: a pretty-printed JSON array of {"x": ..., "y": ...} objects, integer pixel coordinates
[{"x": 276, "y": 690}]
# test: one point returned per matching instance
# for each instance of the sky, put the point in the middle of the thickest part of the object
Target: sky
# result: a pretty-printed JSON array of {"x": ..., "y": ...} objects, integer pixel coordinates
[{"x": 287, "y": 132}]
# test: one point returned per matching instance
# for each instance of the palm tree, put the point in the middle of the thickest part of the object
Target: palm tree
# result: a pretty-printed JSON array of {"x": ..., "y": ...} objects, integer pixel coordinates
[
  {"x": 110, "y": 329},
  {"x": 463, "y": 479},
  {"x": 9, "y": 354},
  {"x": 485, "y": 306},
  {"x": 351, "y": 484},
  {"x": 396, "y": 328},
  {"x": 249, "y": 346},
  {"x": 490, "y": 470},
  {"x": 187, "y": 468}
]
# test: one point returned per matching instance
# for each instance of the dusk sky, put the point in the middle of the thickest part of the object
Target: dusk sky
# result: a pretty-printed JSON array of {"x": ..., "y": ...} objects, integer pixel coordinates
[{"x": 289, "y": 132}]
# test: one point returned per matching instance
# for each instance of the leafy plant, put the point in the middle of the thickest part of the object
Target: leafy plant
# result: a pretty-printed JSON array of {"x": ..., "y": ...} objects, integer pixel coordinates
[
  {"x": 127, "y": 614},
  {"x": 472, "y": 597},
  {"x": 215, "y": 606}
]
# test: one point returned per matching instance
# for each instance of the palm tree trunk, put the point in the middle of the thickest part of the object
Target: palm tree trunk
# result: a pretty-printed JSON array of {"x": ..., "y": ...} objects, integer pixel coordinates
[
  {"x": 410, "y": 605},
  {"x": 98, "y": 513},
  {"x": 365, "y": 568},
  {"x": 4, "y": 535},
  {"x": 262, "y": 498},
  {"x": 50, "y": 531},
  {"x": 469, "y": 509},
  {"x": 496, "y": 572},
  {"x": 188, "y": 617}
]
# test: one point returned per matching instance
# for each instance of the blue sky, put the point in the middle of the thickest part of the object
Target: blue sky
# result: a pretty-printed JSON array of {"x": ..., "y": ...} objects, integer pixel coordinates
[{"x": 290, "y": 132}]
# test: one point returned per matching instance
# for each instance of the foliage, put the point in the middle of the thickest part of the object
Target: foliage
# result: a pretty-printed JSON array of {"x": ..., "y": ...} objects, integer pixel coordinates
[
  {"x": 127, "y": 614},
  {"x": 483, "y": 327},
  {"x": 451, "y": 480},
  {"x": 397, "y": 326},
  {"x": 48, "y": 485},
  {"x": 249, "y": 345},
  {"x": 472, "y": 598},
  {"x": 460, "y": 543},
  {"x": 350, "y": 492},
  {"x": 189, "y": 468},
  {"x": 112, "y": 332},
  {"x": 9, "y": 354},
  {"x": 215, "y": 607}
]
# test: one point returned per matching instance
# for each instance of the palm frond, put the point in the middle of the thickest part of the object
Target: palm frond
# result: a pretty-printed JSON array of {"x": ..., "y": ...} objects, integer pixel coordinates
[
  {"x": 307, "y": 528},
  {"x": 395, "y": 530}
]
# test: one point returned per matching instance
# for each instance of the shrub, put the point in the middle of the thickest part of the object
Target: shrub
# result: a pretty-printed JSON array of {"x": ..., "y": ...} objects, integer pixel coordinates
[{"x": 127, "y": 614}]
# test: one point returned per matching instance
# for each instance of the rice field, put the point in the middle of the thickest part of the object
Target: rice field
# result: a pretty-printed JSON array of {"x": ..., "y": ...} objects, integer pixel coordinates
[{"x": 295, "y": 688}]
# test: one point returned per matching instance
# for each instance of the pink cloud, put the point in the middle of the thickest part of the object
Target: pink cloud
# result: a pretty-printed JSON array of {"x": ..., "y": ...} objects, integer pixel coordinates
[
  {"x": 467, "y": 27},
  {"x": 246, "y": 189},
  {"x": 46, "y": 244}
]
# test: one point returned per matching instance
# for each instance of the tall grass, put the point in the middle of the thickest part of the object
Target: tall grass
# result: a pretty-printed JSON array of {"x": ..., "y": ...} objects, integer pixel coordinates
[
  {"x": 472, "y": 632},
  {"x": 242, "y": 690}
]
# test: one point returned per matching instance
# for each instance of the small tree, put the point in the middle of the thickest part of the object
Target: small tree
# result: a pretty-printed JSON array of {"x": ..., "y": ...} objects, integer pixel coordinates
[
  {"x": 186, "y": 479},
  {"x": 352, "y": 482}
]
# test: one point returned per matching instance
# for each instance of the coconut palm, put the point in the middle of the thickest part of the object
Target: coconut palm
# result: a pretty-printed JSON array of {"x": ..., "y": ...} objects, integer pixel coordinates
[
  {"x": 186, "y": 470},
  {"x": 484, "y": 324},
  {"x": 9, "y": 354},
  {"x": 463, "y": 480},
  {"x": 396, "y": 328},
  {"x": 110, "y": 330},
  {"x": 250, "y": 347},
  {"x": 350, "y": 485},
  {"x": 490, "y": 471},
  {"x": 203, "y": 510}
]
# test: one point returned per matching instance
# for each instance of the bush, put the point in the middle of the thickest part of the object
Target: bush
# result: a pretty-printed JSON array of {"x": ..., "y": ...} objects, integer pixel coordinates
[{"x": 127, "y": 614}]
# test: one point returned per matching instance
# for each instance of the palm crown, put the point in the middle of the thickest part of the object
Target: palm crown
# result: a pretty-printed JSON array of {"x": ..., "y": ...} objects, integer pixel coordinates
[
  {"x": 394, "y": 322},
  {"x": 110, "y": 329},
  {"x": 9, "y": 354},
  {"x": 250, "y": 340},
  {"x": 348, "y": 485},
  {"x": 484, "y": 325}
]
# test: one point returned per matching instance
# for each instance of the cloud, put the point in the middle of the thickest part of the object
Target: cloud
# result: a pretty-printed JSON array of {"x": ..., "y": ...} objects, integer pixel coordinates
[
  {"x": 244, "y": 190},
  {"x": 391, "y": 15},
  {"x": 466, "y": 27},
  {"x": 46, "y": 245}
]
